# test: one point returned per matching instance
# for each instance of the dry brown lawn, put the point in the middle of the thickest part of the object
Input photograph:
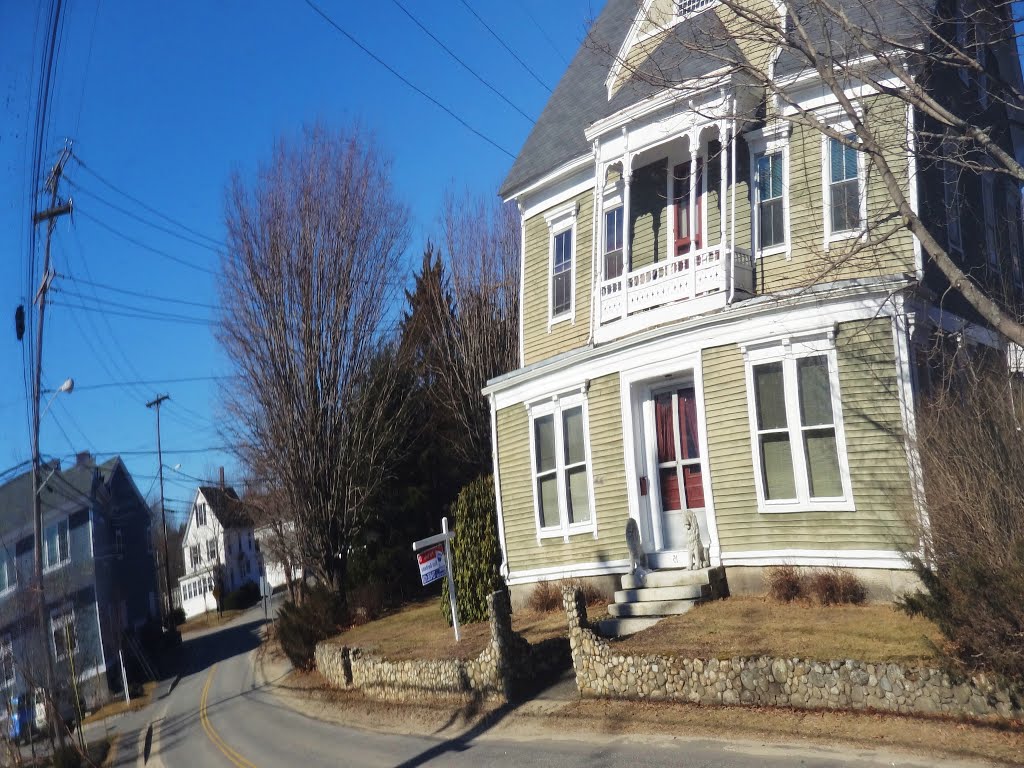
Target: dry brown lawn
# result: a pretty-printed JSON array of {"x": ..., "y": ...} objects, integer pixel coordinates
[
  {"x": 754, "y": 626},
  {"x": 118, "y": 707},
  {"x": 207, "y": 620},
  {"x": 419, "y": 631}
]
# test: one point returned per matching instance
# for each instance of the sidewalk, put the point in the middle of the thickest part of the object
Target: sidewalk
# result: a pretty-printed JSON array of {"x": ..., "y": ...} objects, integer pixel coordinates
[{"x": 558, "y": 713}]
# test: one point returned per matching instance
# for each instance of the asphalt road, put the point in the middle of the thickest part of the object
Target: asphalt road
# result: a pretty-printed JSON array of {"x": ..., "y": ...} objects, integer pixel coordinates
[{"x": 215, "y": 714}]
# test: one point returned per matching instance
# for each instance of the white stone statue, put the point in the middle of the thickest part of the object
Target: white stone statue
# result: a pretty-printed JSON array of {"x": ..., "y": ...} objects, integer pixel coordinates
[
  {"x": 637, "y": 556},
  {"x": 698, "y": 555}
]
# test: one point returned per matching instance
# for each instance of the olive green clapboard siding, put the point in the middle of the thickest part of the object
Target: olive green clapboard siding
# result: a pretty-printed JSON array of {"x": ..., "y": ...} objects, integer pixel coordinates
[
  {"x": 648, "y": 215},
  {"x": 608, "y": 470},
  {"x": 893, "y": 249},
  {"x": 539, "y": 342},
  {"x": 874, "y": 443}
]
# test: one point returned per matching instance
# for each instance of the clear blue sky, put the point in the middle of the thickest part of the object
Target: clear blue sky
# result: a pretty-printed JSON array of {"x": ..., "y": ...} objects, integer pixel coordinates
[{"x": 165, "y": 100}]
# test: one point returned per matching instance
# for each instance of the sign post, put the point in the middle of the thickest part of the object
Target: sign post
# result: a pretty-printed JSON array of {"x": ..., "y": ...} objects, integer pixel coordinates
[{"x": 435, "y": 562}]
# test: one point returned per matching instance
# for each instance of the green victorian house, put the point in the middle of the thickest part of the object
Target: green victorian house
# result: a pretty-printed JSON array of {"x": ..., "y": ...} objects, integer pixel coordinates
[{"x": 710, "y": 328}]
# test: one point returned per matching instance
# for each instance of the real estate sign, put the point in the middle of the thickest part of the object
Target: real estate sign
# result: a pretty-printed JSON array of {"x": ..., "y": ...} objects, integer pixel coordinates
[{"x": 432, "y": 564}]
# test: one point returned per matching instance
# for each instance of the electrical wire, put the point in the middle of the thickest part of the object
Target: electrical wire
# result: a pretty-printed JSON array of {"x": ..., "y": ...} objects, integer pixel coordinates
[
  {"x": 133, "y": 315},
  {"x": 465, "y": 66},
  {"x": 544, "y": 32},
  {"x": 505, "y": 45},
  {"x": 407, "y": 82},
  {"x": 120, "y": 305},
  {"x": 149, "y": 382},
  {"x": 137, "y": 294}
]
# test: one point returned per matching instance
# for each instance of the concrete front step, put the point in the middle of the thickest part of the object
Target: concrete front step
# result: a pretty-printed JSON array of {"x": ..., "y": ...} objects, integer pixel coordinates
[
  {"x": 623, "y": 627},
  {"x": 676, "y": 577},
  {"x": 692, "y": 592},
  {"x": 653, "y": 608}
]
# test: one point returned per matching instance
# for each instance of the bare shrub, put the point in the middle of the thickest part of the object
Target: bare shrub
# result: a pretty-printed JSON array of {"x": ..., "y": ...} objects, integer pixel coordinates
[
  {"x": 786, "y": 583},
  {"x": 971, "y": 561},
  {"x": 835, "y": 586},
  {"x": 547, "y": 595}
]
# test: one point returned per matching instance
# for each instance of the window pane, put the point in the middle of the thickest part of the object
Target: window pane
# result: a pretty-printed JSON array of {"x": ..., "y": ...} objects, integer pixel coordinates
[
  {"x": 669, "y": 479},
  {"x": 764, "y": 176},
  {"x": 689, "y": 431},
  {"x": 579, "y": 495},
  {"x": 563, "y": 250},
  {"x": 843, "y": 160},
  {"x": 613, "y": 264},
  {"x": 613, "y": 229},
  {"x": 572, "y": 433},
  {"x": 562, "y": 294},
  {"x": 777, "y": 467},
  {"x": 694, "y": 486},
  {"x": 845, "y": 206},
  {"x": 823, "y": 464},
  {"x": 547, "y": 495},
  {"x": 815, "y": 391},
  {"x": 544, "y": 435},
  {"x": 771, "y": 223},
  {"x": 664, "y": 428},
  {"x": 3, "y": 575},
  {"x": 51, "y": 545},
  {"x": 770, "y": 396},
  {"x": 62, "y": 541}
]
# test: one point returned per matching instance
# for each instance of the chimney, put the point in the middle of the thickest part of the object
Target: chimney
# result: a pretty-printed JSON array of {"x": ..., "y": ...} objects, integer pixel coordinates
[
  {"x": 84, "y": 459},
  {"x": 222, "y": 478}
]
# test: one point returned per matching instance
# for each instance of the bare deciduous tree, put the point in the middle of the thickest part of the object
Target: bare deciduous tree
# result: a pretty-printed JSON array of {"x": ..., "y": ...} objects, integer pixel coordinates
[
  {"x": 314, "y": 255},
  {"x": 909, "y": 51}
]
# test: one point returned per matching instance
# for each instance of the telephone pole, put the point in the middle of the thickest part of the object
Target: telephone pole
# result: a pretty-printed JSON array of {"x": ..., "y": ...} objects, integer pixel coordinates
[
  {"x": 50, "y": 216},
  {"x": 155, "y": 403}
]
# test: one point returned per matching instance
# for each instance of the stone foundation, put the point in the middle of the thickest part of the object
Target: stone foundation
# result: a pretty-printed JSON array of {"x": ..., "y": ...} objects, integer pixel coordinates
[
  {"x": 882, "y": 584},
  {"x": 771, "y": 681},
  {"x": 606, "y": 585},
  {"x": 508, "y": 667}
]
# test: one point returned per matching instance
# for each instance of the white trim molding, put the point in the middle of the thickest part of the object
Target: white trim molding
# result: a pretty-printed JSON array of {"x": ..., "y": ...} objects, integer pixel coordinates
[
  {"x": 572, "y": 571},
  {"x": 562, "y": 221},
  {"x": 822, "y": 558}
]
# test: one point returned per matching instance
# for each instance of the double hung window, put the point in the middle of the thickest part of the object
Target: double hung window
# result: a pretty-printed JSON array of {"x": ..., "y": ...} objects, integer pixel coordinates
[
  {"x": 771, "y": 214},
  {"x": 56, "y": 545},
  {"x": 211, "y": 550},
  {"x": 562, "y": 262},
  {"x": 195, "y": 555},
  {"x": 613, "y": 243},
  {"x": 65, "y": 638},
  {"x": 6, "y": 662},
  {"x": 8, "y": 572},
  {"x": 687, "y": 206},
  {"x": 561, "y": 467},
  {"x": 844, "y": 188},
  {"x": 799, "y": 449},
  {"x": 200, "y": 514}
]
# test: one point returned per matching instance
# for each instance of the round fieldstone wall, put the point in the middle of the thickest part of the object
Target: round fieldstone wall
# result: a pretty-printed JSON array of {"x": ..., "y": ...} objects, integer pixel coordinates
[{"x": 773, "y": 681}]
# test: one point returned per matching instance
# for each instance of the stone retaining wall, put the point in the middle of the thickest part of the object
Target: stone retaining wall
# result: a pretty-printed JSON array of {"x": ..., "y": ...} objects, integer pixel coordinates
[
  {"x": 506, "y": 668},
  {"x": 771, "y": 681}
]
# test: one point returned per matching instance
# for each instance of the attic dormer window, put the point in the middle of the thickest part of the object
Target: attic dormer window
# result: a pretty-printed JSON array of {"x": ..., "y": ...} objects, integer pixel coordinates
[{"x": 687, "y": 8}]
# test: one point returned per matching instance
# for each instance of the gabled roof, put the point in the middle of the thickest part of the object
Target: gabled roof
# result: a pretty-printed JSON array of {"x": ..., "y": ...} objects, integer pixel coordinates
[
  {"x": 226, "y": 506},
  {"x": 61, "y": 488},
  {"x": 581, "y": 96}
]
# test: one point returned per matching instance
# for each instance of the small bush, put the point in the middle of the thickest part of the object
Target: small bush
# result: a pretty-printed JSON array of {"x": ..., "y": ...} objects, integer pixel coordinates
[
  {"x": 245, "y": 596},
  {"x": 547, "y": 595},
  {"x": 68, "y": 757},
  {"x": 786, "y": 583},
  {"x": 476, "y": 554},
  {"x": 835, "y": 586},
  {"x": 300, "y": 627},
  {"x": 177, "y": 616},
  {"x": 366, "y": 602}
]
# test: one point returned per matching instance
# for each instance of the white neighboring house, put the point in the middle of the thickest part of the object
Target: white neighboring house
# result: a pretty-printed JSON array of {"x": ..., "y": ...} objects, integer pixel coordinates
[
  {"x": 273, "y": 568},
  {"x": 219, "y": 544}
]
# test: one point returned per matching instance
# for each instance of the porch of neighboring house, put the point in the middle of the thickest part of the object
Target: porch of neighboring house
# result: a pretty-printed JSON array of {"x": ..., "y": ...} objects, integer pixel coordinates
[{"x": 673, "y": 229}]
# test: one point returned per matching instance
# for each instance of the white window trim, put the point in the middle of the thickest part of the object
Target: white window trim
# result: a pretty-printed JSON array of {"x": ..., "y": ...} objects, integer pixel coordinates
[
  {"x": 826, "y": 189},
  {"x": 7, "y": 651},
  {"x": 559, "y": 221},
  {"x": 60, "y": 618},
  {"x": 554, "y": 406},
  {"x": 787, "y": 352},
  {"x": 46, "y": 546},
  {"x": 950, "y": 195},
  {"x": 12, "y": 583},
  {"x": 608, "y": 204},
  {"x": 763, "y": 146}
]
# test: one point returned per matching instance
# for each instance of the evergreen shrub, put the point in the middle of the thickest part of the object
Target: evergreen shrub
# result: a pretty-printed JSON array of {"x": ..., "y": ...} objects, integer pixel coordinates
[
  {"x": 476, "y": 553},
  {"x": 301, "y": 626}
]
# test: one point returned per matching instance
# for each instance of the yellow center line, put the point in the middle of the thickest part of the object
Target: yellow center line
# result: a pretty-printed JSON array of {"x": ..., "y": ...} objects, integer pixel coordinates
[{"x": 215, "y": 737}]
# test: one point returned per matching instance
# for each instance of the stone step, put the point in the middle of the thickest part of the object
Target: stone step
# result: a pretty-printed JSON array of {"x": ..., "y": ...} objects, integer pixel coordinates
[
  {"x": 623, "y": 627},
  {"x": 676, "y": 577},
  {"x": 690, "y": 592},
  {"x": 654, "y": 608}
]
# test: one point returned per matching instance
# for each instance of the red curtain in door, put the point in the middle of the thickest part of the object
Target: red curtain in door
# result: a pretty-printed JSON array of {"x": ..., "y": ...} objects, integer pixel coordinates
[{"x": 689, "y": 435}]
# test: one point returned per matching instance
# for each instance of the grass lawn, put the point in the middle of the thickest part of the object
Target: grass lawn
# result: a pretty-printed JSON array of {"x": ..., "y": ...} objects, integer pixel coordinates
[
  {"x": 207, "y": 620},
  {"x": 754, "y": 626},
  {"x": 418, "y": 631},
  {"x": 118, "y": 707}
]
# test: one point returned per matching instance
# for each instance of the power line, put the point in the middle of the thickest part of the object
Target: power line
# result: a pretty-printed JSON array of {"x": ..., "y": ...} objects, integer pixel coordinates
[
  {"x": 148, "y": 382},
  {"x": 134, "y": 315},
  {"x": 142, "y": 245},
  {"x": 137, "y": 294},
  {"x": 505, "y": 45},
  {"x": 543, "y": 32},
  {"x": 137, "y": 201},
  {"x": 147, "y": 222},
  {"x": 465, "y": 66},
  {"x": 409, "y": 84}
]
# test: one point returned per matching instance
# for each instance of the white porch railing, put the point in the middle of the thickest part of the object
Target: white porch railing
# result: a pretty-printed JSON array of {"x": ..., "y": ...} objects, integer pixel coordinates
[{"x": 680, "y": 279}]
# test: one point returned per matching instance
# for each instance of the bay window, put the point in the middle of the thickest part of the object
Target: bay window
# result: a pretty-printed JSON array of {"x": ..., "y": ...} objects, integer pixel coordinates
[
  {"x": 796, "y": 426},
  {"x": 561, "y": 467}
]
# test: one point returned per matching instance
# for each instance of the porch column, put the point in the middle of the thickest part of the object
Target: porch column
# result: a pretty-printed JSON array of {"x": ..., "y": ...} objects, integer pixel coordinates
[
  {"x": 694, "y": 191},
  {"x": 723, "y": 173},
  {"x": 627, "y": 182}
]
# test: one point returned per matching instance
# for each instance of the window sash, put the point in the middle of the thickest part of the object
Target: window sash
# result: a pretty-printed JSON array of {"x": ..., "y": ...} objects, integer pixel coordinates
[
  {"x": 7, "y": 671},
  {"x": 211, "y": 549},
  {"x": 561, "y": 273},
  {"x": 613, "y": 243},
  {"x": 561, "y": 468},
  {"x": 63, "y": 641},
  {"x": 57, "y": 546},
  {"x": 844, "y": 188}
]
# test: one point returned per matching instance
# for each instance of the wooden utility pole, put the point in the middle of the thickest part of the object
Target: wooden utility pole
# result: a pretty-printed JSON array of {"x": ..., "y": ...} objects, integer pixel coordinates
[
  {"x": 155, "y": 403},
  {"x": 50, "y": 216}
]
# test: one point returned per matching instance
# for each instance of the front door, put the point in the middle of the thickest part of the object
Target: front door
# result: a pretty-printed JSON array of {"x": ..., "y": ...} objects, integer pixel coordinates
[{"x": 678, "y": 481}]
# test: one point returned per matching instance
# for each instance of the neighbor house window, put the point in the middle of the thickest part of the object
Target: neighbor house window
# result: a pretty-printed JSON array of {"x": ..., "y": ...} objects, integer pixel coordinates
[
  {"x": 562, "y": 262},
  {"x": 686, "y": 8},
  {"x": 6, "y": 662},
  {"x": 56, "y": 545},
  {"x": 952, "y": 197},
  {"x": 211, "y": 550},
  {"x": 771, "y": 214},
  {"x": 8, "y": 572},
  {"x": 561, "y": 471},
  {"x": 798, "y": 443},
  {"x": 613, "y": 243},
  {"x": 65, "y": 638},
  {"x": 194, "y": 555},
  {"x": 844, "y": 187},
  {"x": 201, "y": 514}
]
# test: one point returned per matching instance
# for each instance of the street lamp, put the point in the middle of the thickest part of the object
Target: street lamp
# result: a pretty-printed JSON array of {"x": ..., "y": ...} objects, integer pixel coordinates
[{"x": 68, "y": 386}]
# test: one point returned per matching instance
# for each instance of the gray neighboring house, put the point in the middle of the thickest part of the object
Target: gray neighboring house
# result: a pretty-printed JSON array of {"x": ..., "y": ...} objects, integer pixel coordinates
[{"x": 99, "y": 576}]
